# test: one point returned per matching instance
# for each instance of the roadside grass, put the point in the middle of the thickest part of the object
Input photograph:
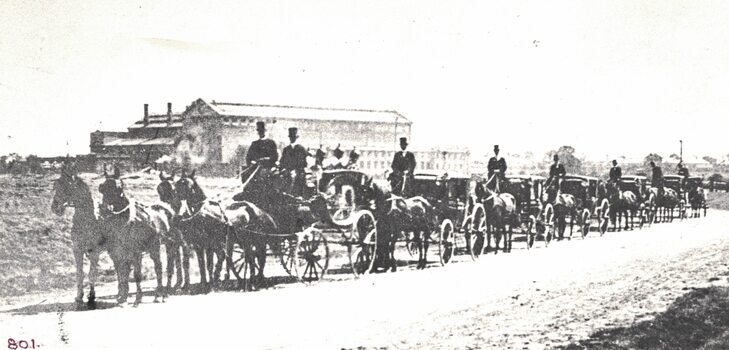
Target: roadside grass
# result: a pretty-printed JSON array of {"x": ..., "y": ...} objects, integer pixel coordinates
[
  {"x": 696, "y": 320},
  {"x": 718, "y": 200}
]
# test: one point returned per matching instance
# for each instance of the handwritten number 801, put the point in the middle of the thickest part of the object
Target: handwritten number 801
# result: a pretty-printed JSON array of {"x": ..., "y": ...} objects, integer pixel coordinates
[{"x": 21, "y": 344}]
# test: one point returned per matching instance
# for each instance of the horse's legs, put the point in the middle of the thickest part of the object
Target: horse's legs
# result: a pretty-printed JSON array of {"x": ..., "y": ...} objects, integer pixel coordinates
[
  {"x": 209, "y": 261},
  {"x": 172, "y": 253},
  {"x": 138, "y": 277},
  {"x": 78, "y": 256},
  {"x": 220, "y": 253},
  {"x": 93, "y": 272},
  {"x": 122, "y": 277},
  {"x": 155, "y": 255},
  {"x": 426, "y": 243},
  {"x": 200, "y": 253},
  {"x": 185, "y": 262}
]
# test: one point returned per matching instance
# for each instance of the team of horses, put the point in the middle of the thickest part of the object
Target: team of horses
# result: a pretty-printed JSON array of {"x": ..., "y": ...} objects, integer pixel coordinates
[{"x": 263, "y": 216}]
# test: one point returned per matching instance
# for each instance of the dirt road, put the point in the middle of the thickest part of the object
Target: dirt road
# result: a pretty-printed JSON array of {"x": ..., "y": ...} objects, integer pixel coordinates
[{"x": 532, "y": 299}]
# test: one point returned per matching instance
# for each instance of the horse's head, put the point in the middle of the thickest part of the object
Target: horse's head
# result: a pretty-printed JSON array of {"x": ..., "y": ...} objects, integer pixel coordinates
[
  {"x": 112, "y": 190},
  {"x": 187, "y": 189},
  {"x": 69, "y": 191}
]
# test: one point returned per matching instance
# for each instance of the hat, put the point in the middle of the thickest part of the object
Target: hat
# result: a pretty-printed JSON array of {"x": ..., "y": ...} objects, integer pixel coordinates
[
  {"x": 338, "y": 153},
  {"x": 404, "y": 140},
  {"x": 260, "y": 126},
  {"x": 496, "y": 147},
  {"x": 293, "y": 132}
]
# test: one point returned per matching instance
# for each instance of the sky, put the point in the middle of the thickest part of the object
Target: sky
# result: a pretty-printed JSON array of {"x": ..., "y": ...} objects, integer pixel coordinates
[{"x": 610, "y": 78}]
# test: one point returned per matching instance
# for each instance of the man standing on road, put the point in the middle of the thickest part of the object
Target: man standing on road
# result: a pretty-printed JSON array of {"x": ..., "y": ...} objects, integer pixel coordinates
[
  {"x": 615, "y": 174},
  {"x": 403, "y": 166},
  {"x": 496, "y": 170},
  {"x": 657, "y": 178},
  {"x": 293, "y": 161}
]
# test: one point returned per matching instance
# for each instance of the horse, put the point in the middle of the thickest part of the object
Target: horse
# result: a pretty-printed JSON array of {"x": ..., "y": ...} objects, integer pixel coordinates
[
  {"x": 130, "y": 229},
  {"x": 697, "y": 201},
  {"x": 623, "y": 203},
  {"x": 274, "y": 214},
  {"x": 565, "y": 205},
  {"x": 204, "y": 227},
  {"x": 167, "y": 194},
  {"x": 501, "y": 210},
  {"x": 663, "y": 205},
  {"x": 71, "y": 192}
]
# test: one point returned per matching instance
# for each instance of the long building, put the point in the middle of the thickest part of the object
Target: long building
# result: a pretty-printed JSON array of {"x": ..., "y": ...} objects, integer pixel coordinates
[{"x": 217, "y": 135}]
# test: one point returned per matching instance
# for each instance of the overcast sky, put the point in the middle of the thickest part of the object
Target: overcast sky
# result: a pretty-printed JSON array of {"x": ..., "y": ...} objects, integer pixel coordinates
[{"x": 610, "y": 78}]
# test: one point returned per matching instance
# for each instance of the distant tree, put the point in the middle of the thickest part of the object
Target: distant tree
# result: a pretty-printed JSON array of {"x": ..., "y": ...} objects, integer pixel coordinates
[
  {"x": 34, "y": 164},
  {"x": 675, "y": 156},
  {"x": 567, "y": 156},
  {"x": 709, "y": 159},
  {"x": 652, "y": 157},
  {"x": 716, "y": 177}
]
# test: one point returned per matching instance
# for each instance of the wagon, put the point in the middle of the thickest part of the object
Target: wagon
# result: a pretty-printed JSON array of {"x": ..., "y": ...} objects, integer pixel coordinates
[
  {"x": 448, "y": 193},
  {"x": 592, "y": 205}
]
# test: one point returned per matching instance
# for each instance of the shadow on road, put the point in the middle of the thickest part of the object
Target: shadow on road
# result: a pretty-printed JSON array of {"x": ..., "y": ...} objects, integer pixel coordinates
[{"x": 695, "y": 320}]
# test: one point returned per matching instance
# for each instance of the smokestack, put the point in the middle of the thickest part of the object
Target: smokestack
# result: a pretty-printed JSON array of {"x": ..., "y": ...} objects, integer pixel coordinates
[
  {"x": 146, "y": 114},
  {"x": 169, "y": 112}
]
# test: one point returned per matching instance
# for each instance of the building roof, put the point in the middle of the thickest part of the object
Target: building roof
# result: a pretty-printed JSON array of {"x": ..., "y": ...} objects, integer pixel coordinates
[
  {"x": 140, "y": 141},
  {"x": 158, "y": 121},
  {"x": 298, "y": 112}
]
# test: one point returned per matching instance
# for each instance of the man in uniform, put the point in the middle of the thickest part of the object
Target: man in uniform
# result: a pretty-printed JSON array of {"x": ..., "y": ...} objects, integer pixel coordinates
[
  {"x": 262, "y": 150},
  {"x": 615, "y": 174},
  {"x": 496, "y": 171},
  {"x": 293, "y": 161},
  {"x": 556, "y": 174},
  {"x": 403, "y": 166},
  {"x": 657, "y": 178}
]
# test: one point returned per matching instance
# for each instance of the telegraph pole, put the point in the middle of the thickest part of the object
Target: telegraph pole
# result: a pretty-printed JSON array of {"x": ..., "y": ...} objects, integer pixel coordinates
[{"x": 680, "y": 155}]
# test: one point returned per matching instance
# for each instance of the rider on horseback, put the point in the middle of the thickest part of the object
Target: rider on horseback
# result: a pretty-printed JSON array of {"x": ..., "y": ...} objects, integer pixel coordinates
[
  {"x": 403, "y": 166},
  {"x": 496, "y": 171},
  {"x": 554, "y": 182}
]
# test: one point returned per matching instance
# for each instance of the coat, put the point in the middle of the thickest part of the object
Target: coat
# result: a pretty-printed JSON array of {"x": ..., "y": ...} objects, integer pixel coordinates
[
  {"x": 262, "y": 148},
  {"x": 402, "y": 162}
]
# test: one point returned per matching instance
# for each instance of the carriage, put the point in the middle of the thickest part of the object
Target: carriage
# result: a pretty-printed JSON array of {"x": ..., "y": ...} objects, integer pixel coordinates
[
  {"x": 528, "y": 190},
  {"x": 639, "y": 186},
  {"x": 448, "y": 193},
  {"x": 677, "y": 183},
  {"x": 592, "y": 206}
]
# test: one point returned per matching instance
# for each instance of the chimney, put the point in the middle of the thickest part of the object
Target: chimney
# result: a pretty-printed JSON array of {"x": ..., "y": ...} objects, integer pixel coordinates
[
  {"x": 146, "y": 114},
  {"x": 169, "y": 112}
]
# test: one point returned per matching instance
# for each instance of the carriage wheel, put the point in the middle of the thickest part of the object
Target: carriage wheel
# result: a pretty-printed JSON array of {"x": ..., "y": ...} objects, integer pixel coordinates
[
  {"x": 585, "y": 222},
  {"x": 548, "y": 221},
  {"x": 475, "y": 234},
  {"x": 363, "y": 246},
  {"x": 603, "y": 219},
  {"x": 530, "y": 234},
  {"x": 287, "y": 255},
  {"x": 312, "y": 256},
  {"x": 235, "y": 257},
  {"x": 446, "y": 241}
]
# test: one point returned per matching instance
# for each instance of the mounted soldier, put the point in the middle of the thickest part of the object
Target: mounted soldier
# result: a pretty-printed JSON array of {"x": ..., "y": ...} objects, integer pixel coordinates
[
  {"x": 657, "y": 178},
  {"x": 616, "y": 173},
  {"x": 293, "y": 163},
  {"x": 403, "y": 166},
  {"x": 557, "y": 172},
  {"x": 496, "y": 171}
]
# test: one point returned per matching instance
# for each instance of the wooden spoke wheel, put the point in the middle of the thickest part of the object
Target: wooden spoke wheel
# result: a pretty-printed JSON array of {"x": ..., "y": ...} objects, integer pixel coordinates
[
  {"x": 446, "y": 241},
  {"x": 585, "y": 220},
  {"x": 603, "y": 219},
  {"x": 311, "y": 260},
  {"x": 362, "y": 246},
  {"x": 475, "y": 238},
  {"x": 530, "y": 234},
  {"x": 548, "y": 222},
  {"x": 235, "y": 257},
  {"x": 287, "y": 253}
]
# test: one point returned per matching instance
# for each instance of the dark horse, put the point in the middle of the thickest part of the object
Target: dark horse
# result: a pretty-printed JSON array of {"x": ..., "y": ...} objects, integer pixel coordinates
[
  {"x": 204, "y": 227},
  {"x": 565, "y": 205},
  {"x": 501, "y": 210},
  {"x": 697, "y": 200},
  {"x": 167, "y": 194},
  {"x": 623, "y": 203},
  {"x": 71, "y": 192},
  {"x": 130, "y": 229},
  {"x": 275, "y": 215}
]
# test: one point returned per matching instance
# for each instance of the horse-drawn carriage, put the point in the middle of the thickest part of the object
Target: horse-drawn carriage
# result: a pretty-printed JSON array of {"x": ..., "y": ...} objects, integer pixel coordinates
[
  {"x": 639, "y": 186},
  {"x": 675, "y": 183},
  {"x": 696, "y": 196},
  {"x": 528, "y": 190},
  {"x": 580, "y": 200}
]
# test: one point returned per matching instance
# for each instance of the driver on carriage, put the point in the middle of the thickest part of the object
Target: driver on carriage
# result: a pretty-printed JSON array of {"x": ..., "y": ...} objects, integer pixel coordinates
[
  {"x": 496, "y": 171},
  {"x": 557, "y": 172},
  {"x": 262, "y": 152},
  {"x": 684, "y": 173},
  {"x": 403, "y": 166},
  {"x": 657, "y": 178},
  {"x": 293, "y": 163},
  {"x": 616, "y": 173}
]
